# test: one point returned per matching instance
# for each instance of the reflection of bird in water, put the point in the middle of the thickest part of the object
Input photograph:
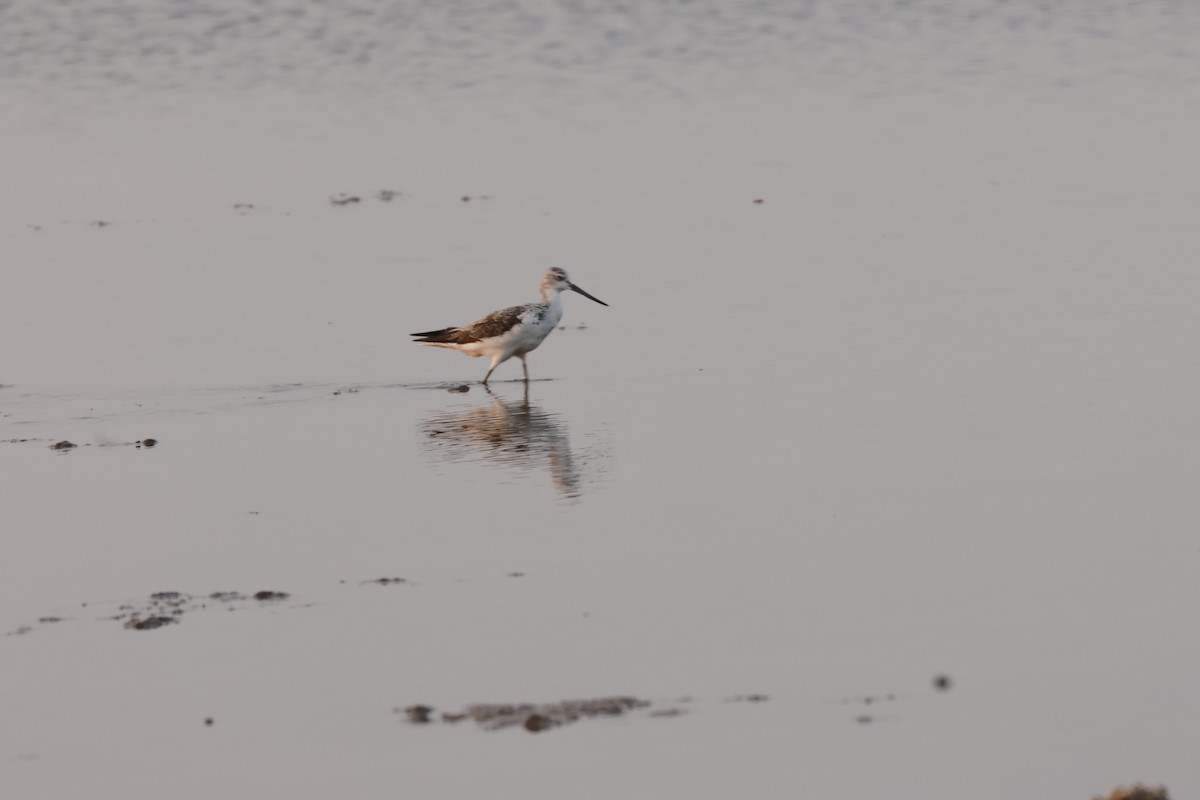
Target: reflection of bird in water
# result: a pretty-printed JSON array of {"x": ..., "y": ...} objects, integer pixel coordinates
[
  {"x": 507, "y": 433},
  {"x": 511, "y": 331}
]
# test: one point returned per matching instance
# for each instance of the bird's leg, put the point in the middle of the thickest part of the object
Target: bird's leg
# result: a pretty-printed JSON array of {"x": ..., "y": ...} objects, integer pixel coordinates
[
  {"x": 495, "y": 363},
  {"x": 525, "y": 367}
]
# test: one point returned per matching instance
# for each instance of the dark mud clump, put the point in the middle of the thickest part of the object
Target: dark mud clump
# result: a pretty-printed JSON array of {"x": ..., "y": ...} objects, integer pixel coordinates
[
  {"x": 149, "y": 623},
  {"x": 496, "y": 716},
  {"x": 63, "y": 445},
  {"x": 166, "y": 608},
  {"x": 460, "y": 388},
  {"x": 534, "y": 718},
  {"x": 163, "y": 609},
  {"x": 145, "y": 443},
  {"x": 536, "y": 722},
  {"x": 942, "y": 682},
  {"x": 418, "y": 715},
  {"x": 1135, "y": 792},
  {"x": 385, "y": 581}
]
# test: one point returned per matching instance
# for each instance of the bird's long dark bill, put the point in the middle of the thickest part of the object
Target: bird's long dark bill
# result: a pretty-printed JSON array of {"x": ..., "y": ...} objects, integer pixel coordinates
[{"x": 575, "y": 288}]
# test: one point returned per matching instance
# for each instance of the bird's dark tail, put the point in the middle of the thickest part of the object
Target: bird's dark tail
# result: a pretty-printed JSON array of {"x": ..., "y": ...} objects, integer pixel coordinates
[{"x": 443, "y": 336}]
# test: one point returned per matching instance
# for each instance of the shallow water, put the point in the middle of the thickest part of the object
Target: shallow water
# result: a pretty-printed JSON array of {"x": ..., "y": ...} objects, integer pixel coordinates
[{"x": 926, "y": 409}]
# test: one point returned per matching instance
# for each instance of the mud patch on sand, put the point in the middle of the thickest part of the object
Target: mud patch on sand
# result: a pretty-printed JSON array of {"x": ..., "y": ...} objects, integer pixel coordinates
[
  {"x": 65, "y": 445},
  {"x": 167, "y": 608},
  {"x": 532, "y": 717},
  {"x": 163, "y": 609},
  {"x": 383, "y": 581}
]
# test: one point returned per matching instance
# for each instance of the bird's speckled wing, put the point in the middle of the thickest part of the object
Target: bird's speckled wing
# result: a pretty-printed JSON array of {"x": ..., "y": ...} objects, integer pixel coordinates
[{"x": 494, "y": 324}]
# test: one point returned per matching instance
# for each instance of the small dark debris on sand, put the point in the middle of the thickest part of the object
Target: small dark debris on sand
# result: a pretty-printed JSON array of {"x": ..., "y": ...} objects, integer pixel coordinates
[
  {"x": 268, "y": 594},
  {"x": 344, "y": 199},
  {"x": 345, "y": 390},
  {"x": 748, "y": 698},
  {"x": 208, "y": 721},
  {"x": 47, "y": 620},
  {"x": 386, "y": 581},
  {"x": 21, "y": 631},
  {"x": 538, "y": 722},
  {"x": 145, "y": 443},
  {"x": 758, "y": 201},
  {"x": 1135, "y": 792},
  {"x": 387, "y": 195},
  {"x": 460, "y": 388},
  {"x": 533, "y": 718},
  {"x": 149, "y": 623},
  {"x": 63, "y": 445},
  {"x": 942, "y": 682},
  {"x": 668, "y": 712},
  {"x": 99, "y": 223},
  {"x": 870, "y": 699},
  {"x": 418, "y": 715}
]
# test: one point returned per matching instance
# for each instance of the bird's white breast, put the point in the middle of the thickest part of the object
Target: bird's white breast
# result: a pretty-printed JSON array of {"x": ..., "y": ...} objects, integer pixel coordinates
[{"x": 536, "y": 324}]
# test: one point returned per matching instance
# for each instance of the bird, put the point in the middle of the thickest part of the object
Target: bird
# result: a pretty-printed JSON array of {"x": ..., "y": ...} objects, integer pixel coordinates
[{"x": 513, "y": 331}]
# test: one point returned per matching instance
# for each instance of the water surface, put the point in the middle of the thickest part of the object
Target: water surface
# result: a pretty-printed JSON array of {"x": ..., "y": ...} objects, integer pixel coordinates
[{"x": 926, "y": 409}]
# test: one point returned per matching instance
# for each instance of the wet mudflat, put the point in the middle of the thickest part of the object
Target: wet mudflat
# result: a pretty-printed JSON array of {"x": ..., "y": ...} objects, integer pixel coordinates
[{"x": 873, "y": 481}]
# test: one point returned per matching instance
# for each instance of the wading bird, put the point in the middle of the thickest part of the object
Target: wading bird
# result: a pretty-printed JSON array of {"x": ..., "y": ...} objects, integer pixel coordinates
[{"x": 510, "y": 331}]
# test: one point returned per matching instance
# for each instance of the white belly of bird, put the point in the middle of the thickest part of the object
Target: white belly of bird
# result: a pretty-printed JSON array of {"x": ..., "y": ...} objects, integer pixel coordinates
[
  {"x": 532, "y": 331},
  {"x": 536, "y": 324}
]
